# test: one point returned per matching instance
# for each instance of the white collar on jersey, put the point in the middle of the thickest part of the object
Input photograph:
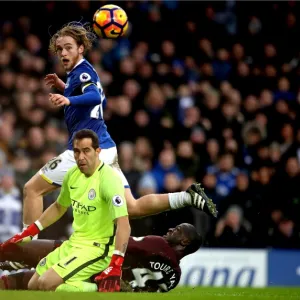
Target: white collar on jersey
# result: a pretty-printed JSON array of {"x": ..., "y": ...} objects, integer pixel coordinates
[{"x": 77, "y": 65}]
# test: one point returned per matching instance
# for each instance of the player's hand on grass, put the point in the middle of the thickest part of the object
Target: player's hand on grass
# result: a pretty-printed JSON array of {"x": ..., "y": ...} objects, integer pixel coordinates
[
  {"x": 24, "y": 237},
  {"x": 52, "y": 80},
  {"x": 59, "y": 100},
  {"x": 110, "y": 279}
]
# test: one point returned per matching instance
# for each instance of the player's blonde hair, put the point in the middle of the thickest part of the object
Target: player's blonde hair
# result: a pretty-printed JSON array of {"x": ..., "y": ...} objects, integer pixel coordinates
[{"x": 81, "y": 33}]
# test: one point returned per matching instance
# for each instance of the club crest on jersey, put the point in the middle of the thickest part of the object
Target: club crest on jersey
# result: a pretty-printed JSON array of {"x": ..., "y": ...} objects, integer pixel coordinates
[
  {"x": 117, "y": 200},
  {"x": 43, "y": 262},
  {"x": 84, "y": 77},
  {"x": 92, "y": 194}
]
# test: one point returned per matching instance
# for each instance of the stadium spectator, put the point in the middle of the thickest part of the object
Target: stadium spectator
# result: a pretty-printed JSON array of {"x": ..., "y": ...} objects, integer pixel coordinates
[{"x": 10, "y": 208}]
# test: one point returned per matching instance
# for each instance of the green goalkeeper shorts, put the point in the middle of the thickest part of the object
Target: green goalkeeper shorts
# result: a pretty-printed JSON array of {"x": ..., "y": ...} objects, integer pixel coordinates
[{"x": 74, "y": 264}]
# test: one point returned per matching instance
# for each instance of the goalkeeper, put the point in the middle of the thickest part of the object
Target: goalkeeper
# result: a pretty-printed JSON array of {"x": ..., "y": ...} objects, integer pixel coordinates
[{"x": 101, "y": 226}]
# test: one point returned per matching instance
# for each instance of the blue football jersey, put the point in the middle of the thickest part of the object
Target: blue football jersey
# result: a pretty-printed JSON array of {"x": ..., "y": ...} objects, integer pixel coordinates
[{"x": 85, "y": 116}]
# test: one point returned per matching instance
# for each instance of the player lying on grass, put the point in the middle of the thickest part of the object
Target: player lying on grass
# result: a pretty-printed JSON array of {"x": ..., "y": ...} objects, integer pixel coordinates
[
  {"x": 151, "y": 263},
  {"x": 101, "y": 226}
]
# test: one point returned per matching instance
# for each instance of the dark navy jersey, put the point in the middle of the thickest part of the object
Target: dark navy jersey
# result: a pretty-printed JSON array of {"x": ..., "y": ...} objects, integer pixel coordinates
[
  {"x": 79, "y": 117},
  {"x": 150, "y": 265}
]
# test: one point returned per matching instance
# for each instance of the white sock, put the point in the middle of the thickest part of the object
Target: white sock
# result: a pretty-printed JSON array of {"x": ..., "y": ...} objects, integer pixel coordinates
[{"x": 179, "y": 200}]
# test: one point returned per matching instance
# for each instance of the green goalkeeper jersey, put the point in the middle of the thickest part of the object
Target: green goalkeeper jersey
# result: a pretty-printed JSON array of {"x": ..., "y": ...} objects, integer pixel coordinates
[{"x": 96, "y": 201}]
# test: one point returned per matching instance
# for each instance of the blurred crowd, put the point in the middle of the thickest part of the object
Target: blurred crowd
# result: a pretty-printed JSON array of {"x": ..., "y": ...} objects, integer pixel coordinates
[{"x": 202, "y": 92}]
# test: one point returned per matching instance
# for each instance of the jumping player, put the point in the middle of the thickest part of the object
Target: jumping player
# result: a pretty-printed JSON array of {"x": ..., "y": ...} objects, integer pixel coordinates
[{"x": 83, "y": 100}]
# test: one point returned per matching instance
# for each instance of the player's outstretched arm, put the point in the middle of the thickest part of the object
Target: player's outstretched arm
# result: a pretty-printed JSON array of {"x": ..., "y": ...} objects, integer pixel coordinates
[
  {"x": 52, "y": 80},
  {"x": 110, "y": 279},
  {"x": 53, "y": 213},
  {"x": 90, "y": 96}
]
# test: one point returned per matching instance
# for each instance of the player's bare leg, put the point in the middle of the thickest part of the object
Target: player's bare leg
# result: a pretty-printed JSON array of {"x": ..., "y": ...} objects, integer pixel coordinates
[
  {"x": 147, "y": 205},
  {"x": 15, "y": 257},
  {"x": 16, "y": 281},
  {"x": 49, "y": 281},
  {"x": 3, "y": 283},
  {"x": 11, "y": 257},
  {"x": 33, "y": 283},
  {"x": 156, "y": 203},
  {"x": 34, "y": 190}
]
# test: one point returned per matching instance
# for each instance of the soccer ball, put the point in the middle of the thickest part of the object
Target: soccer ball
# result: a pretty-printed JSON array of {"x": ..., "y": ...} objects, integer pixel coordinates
[{"x": 110, "y": 21}]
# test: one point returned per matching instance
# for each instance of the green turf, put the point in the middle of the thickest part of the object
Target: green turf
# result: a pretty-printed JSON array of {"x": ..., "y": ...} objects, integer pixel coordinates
[{"x": 203, "y": 293}]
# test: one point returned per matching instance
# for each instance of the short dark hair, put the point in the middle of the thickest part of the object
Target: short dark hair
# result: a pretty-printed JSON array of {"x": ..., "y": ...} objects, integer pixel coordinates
[
  {"x": 87, "y": 133},
  {"x": 195, "y": 239}
]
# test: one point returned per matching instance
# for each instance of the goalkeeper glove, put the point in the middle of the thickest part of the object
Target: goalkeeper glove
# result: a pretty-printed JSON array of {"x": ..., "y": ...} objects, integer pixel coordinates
[
  {"x": 25, "y": 236},
  {"x": 110, "y": 279}
]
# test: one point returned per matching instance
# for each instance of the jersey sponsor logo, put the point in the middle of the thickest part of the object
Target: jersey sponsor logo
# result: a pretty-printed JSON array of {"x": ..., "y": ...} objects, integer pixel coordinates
[
  {"x": 117, "y": 200},
  {"x": 81, "y": 208},
  {"x": 84, "y": 77},
  {"x": 43, "y": 262},
  {"x": 91, "y": 194}
]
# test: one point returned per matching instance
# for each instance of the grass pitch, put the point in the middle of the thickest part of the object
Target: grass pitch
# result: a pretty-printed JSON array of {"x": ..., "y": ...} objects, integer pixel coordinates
[{"x": 199, "y": 293}]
